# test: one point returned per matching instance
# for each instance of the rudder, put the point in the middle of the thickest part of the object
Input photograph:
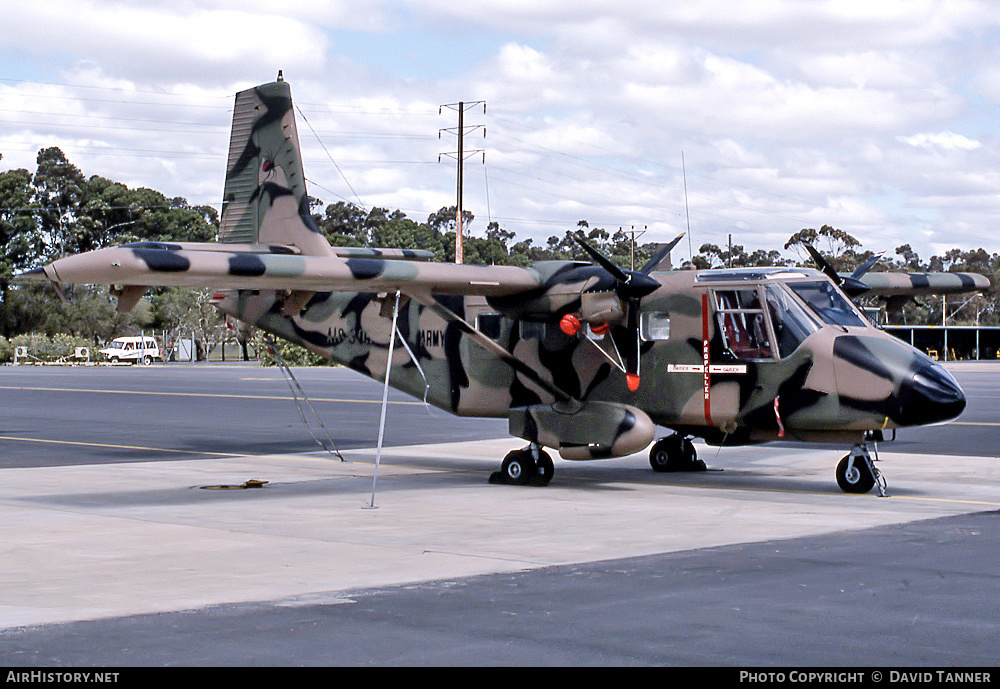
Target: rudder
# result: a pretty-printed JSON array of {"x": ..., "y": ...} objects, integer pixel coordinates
[{"x": 265, "y": 199}]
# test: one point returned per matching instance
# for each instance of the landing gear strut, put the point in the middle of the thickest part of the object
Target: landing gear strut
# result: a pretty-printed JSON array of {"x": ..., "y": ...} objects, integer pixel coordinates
[
  {"x": 529, "y": 466},
  {"x": 856, "y": 473},
  {"x": 674, "y": 453}
]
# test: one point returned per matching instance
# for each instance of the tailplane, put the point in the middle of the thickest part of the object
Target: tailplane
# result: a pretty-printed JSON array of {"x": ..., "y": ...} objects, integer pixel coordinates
[{"x": 265, "y": 200}]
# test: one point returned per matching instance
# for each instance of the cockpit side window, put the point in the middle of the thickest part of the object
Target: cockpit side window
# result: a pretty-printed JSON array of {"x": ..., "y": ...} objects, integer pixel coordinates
[
  {"x": 741, "y": 321},
  {"x": 828, "y": 302},
  {"x": 792, "y": 322}
]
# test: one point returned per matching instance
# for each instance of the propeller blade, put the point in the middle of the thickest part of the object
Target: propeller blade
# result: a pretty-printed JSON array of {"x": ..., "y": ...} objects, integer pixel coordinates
[
  {"x": 661, "y": 253},
  {"x": 866, "y": 266},
  {"x": 602, "y": 260},
  {"x": 823, "y": 264},
  {"x": 632, "y": 354}
]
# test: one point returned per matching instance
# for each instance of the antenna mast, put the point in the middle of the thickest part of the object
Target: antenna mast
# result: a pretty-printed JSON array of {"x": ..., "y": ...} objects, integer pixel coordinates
[{"x": 687, "y": 214}]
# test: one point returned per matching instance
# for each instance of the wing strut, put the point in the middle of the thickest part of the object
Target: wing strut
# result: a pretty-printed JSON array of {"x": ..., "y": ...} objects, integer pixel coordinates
[
  {"x": 492, "y": 347},
  {"x": 385, "y": 399}
]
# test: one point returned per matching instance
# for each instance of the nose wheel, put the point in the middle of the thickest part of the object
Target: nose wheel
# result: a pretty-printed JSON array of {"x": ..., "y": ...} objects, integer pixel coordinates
[
  {"x": 857, "y": 473},
  {"x": 530, "y": 466}
]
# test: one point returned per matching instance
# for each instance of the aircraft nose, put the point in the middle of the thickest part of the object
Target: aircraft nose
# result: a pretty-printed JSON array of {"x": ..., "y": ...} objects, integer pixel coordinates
[
  {"x": 929, "y": 395},
  {"x": 883, "y": 376}
]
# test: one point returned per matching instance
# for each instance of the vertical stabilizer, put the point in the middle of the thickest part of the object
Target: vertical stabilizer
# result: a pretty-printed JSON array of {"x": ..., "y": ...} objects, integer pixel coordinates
[{"x": 265, "y": 200}]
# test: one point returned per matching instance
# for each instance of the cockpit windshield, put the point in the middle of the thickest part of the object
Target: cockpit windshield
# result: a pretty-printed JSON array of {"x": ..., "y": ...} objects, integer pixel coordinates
[
  {"x": 748, "y": 334},
  {"x": 828, "y": 303}
]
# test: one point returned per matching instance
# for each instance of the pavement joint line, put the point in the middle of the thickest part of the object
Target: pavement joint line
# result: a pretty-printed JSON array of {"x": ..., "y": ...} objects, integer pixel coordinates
[
  {"x": 162, "y": 393},
  {"x": 111, "y": 446}
]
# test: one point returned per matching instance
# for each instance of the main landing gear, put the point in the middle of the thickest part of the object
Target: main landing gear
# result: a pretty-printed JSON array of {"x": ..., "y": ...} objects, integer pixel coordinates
[
  {"x": 674, "y": 453},
  {"x": 856, "y": 473},
  {"x": 529, "y": 466}
]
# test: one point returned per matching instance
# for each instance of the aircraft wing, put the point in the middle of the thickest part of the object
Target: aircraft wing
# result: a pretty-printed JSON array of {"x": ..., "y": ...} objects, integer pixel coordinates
[
  {"x": 919, "y": 284},
  {"x": 161, "y": 265}
]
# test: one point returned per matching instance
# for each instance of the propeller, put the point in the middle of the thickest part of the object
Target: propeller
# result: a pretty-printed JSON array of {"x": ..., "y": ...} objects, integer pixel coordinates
[
  {"x": 852, "y": 286},
  {"x": 631, "y": 286}
]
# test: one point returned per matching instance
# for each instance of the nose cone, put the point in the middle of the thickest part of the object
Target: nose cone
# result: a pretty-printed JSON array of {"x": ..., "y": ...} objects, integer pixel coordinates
[
  {"x": 929, "y": 395},
  {"x": 882, "y": 376},
  {"x": 638, "y": 285}
]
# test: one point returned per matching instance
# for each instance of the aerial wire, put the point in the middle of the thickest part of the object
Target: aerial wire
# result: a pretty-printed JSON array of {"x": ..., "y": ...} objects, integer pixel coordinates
[{"x": 346, "y": 181}]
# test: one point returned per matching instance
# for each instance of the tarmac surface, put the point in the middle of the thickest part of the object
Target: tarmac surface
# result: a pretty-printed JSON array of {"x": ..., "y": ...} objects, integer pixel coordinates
[{"x": 128, "y": 541}]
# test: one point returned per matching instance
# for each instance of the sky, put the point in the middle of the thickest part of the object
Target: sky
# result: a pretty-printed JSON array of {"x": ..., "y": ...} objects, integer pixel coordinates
[{"x": 750, "y": 120}]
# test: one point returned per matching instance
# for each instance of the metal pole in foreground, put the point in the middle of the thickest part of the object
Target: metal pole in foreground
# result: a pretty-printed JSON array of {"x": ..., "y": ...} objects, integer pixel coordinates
[{"x": 385, "y": 399}]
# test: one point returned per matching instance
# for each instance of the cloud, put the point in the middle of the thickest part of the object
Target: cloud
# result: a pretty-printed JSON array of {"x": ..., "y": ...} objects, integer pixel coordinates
[
  {"x": 948, "y": 141},
  {"x": 160, "y": 42}
]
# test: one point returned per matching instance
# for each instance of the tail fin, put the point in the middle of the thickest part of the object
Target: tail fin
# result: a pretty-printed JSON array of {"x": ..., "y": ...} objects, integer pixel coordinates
[{"x": 265, "y": 200}]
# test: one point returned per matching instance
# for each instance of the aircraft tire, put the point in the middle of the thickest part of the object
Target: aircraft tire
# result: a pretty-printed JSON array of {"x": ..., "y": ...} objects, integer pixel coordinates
[
  {"x": 674, "y": 453},
  {"x": 517, "y": 468},
  {"x": 859, "y": 480}
]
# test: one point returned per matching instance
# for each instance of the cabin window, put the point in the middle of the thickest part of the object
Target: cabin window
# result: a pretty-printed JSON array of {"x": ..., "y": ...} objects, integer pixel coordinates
[
  {"x": 742, "y": 323},
  {"x": 489, "y": 325},
  {"x": 827, "y": 301},
  {"x": 532, "y": 330},
  {"x": 791, "y": 321},
  {"x": 654, "y": 325}
]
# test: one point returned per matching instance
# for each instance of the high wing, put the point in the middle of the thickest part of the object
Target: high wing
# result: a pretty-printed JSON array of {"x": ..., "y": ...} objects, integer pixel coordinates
[
  {"x": 146, "y": 264},
  {"x": 920, "y": 284}
]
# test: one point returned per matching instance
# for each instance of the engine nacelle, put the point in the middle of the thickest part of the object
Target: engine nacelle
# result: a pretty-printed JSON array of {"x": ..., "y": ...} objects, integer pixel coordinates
[
  {"x": 601, "y": 307},
  {"x": 594, "y": 430}
]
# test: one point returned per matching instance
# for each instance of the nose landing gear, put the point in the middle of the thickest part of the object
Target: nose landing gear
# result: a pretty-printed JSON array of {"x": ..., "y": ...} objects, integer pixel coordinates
[{"x": 857, "y": 473}]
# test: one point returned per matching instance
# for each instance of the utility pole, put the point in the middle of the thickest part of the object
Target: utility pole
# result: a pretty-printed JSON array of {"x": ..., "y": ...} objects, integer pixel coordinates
[
  {"x": 460, "y": 157},
  {"x": 632, "y": 232}
]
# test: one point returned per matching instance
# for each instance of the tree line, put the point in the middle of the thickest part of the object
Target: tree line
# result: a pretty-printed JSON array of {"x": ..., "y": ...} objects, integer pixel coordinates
[{"x": 57, "y": 210}]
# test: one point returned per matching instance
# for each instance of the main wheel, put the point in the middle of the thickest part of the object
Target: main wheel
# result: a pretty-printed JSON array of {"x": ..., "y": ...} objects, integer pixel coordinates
[
  {"x": 674, "y": 453},
  {"x": 518, "y": 467},
  {"x": 858, "y": 480}
]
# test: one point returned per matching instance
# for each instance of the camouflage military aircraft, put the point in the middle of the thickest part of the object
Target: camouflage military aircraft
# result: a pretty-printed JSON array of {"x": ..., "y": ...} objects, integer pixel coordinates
[{"x": 583, "y": 358}]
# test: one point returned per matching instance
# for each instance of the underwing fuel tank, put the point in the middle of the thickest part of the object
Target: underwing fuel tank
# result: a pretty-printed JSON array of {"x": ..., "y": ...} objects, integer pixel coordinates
[
  {"x": 904, "y": 387},
  {"x": 595, "y": 430}
]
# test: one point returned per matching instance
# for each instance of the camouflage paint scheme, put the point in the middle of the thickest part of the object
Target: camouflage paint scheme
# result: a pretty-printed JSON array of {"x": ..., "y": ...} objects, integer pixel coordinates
[{"x": 487, "y": 341}]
